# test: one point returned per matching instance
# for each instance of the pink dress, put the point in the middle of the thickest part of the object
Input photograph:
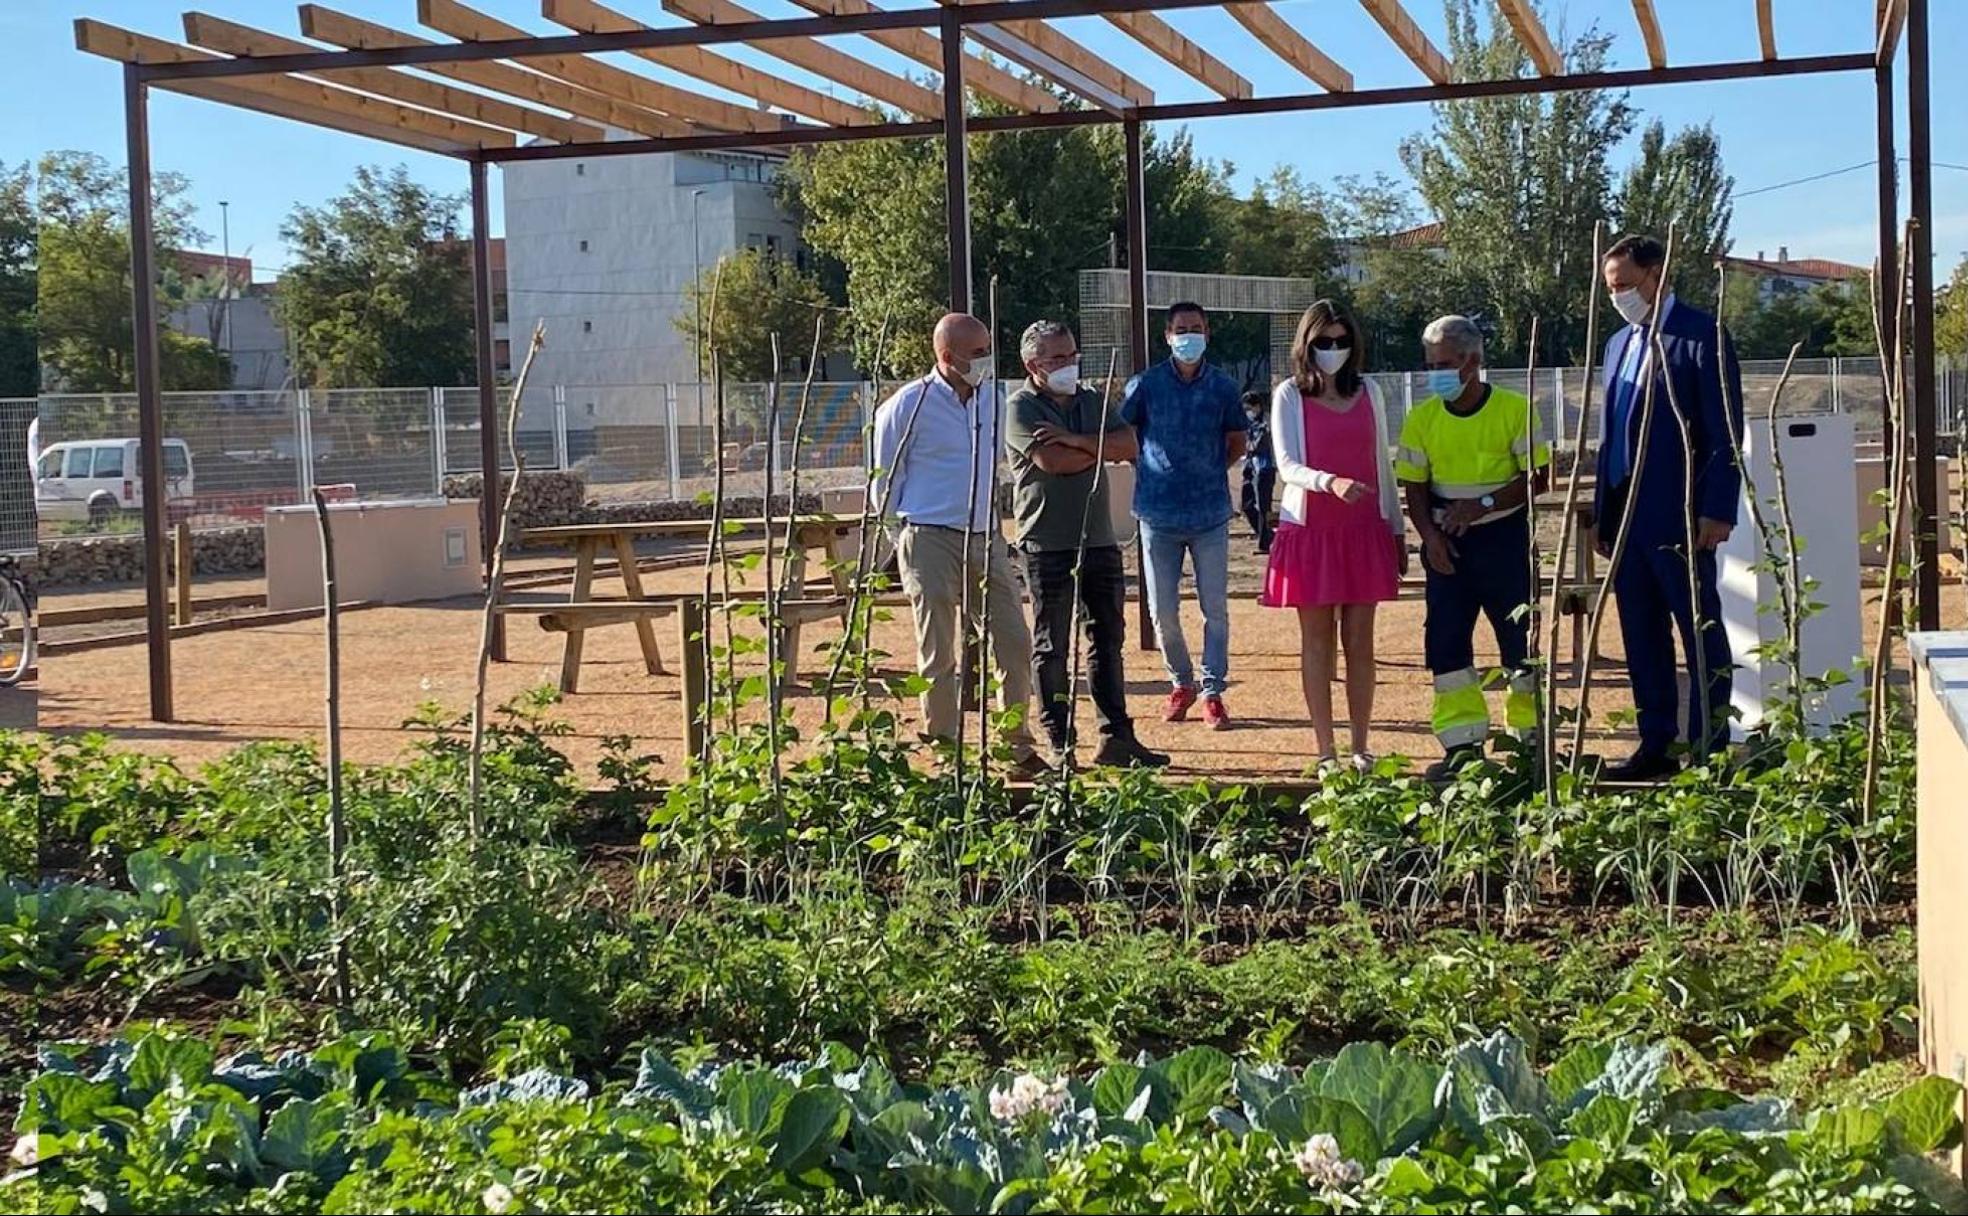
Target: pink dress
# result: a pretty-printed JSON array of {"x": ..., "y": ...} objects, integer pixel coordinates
[{"x": 1344, "y": 552}]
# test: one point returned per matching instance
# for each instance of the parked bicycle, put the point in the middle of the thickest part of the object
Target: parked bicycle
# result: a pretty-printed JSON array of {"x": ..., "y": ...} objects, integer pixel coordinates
[{"x": 16, "y": 622}]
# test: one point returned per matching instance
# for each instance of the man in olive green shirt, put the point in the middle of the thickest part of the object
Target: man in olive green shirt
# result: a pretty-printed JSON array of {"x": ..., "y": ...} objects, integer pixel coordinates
[{"x": 1055, "y": 445}]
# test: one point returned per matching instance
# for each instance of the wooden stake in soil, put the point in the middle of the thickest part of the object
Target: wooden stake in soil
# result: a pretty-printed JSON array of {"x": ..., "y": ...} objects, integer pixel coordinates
[
  {"x": 772, "y": 594},
  {"x": 1698, "y": 652},
  {"x": 1620, "y": 538},
  {"x": 793, "y": 475},
  {"x": 476, "y": 810},
  {"x": 182, "y": 569},
  {"x": 1066, "y": 754},
  {"x": 992, "y": 539},
  {"x": 331, "y": 617},
  {"x": 1893, "y": 370},
  {"x": 1531, "y": 647},
  {"x": 1567, "y": 528}
]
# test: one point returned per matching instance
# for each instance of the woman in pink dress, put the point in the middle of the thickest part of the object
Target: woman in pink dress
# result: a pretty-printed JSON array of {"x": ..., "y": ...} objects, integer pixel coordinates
[{"x": 1341, "y": 545}]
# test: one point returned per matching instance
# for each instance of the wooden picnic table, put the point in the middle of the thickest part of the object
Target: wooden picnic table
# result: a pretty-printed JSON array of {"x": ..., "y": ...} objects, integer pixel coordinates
[{"x": 581, "y": 612}]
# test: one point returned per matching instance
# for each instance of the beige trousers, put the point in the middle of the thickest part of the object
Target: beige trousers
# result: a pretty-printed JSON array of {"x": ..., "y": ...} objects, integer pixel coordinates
[{"x": 933, "y": 575}]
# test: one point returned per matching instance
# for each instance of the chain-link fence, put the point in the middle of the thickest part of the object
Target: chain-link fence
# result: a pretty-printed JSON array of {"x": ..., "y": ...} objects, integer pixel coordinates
[{"x": 230, "y": 455}]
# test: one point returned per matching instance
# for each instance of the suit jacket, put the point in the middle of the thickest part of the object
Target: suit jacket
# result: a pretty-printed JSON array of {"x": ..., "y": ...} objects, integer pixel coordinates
[{"x": 1703, "y": 383}]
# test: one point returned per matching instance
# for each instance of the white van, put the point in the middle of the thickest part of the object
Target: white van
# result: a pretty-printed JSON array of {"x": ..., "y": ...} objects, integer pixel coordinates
[{"x": 95, "y": 480}]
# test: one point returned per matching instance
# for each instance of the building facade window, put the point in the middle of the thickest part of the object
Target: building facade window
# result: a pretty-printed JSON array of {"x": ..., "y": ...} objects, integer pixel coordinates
[
  {"x": 584, "y": 246},
  {"x": 587, "y": 327}
]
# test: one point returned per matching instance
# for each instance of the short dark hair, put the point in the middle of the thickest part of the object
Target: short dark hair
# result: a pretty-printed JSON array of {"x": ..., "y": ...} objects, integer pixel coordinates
[
  {"x": 1256, "y": 398},
  {"x": 1183, "y": 306},
  {"x": 1646, "y": 251}
]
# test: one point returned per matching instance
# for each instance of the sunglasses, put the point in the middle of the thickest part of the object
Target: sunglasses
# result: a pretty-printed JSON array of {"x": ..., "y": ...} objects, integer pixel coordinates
[{"x": 1322, "y": 342}]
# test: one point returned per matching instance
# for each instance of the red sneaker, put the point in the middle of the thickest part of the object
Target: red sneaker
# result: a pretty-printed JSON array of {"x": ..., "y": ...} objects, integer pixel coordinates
[
  {"x": 1179, "y": 702},
  {"x": 1214, "y": 714}
]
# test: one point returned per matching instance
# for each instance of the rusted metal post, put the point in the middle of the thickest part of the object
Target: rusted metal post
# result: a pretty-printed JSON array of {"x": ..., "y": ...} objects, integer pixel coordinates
[{"x": 150, "y": 397}]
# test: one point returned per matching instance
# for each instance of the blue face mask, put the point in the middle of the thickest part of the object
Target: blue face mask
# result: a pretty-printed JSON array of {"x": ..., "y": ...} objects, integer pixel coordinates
[
  {"x": 1188, "y": 348},
  {"x": 1444, "y": 382}
]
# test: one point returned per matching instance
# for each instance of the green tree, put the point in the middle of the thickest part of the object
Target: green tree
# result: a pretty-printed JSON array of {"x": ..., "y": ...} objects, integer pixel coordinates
[
  {"x": 84, "y": 298},
  {"x": 1044, "y": 204},
  {"x": 758, "y": 295},
  {"x": 1403, "y": 286},
  {"x": 20, "y": 374},
  {"x": 1518, "y": 183},
  {"x": 379, "y": 291},
  {"x": 1951, "y": 314},
  {"x": 1679, "y": 183}
]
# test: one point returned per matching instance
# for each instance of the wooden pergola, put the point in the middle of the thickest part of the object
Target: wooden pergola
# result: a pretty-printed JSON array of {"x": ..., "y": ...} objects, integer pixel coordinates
[{"x": 489, "y": 93}]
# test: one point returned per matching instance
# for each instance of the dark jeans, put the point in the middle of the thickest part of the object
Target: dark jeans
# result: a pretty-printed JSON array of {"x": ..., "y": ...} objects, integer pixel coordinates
[
  {"x": 1258, "y": 494},
  {"x": 1492, "y": 578},
  {"x": 1651, "y": 588},
  {"x": 1103, "y": 598}
]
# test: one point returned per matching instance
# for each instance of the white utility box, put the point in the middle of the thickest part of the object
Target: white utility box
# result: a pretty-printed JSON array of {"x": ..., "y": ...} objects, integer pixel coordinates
[
  {"x": 1822, "y": 487},
  {"x": 390, "y": 551}
]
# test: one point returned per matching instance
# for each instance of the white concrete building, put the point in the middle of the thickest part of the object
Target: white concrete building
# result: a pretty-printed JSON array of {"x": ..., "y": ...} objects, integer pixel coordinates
[{"x": 604, "y": 249}]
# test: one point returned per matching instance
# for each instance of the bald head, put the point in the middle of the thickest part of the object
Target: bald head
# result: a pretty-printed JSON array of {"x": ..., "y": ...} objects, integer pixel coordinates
[{"x": 961, "y": 340}]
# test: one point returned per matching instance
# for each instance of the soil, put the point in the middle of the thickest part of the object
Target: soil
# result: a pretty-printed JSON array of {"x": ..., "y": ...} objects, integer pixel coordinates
[{"x": 266, "y": 682}]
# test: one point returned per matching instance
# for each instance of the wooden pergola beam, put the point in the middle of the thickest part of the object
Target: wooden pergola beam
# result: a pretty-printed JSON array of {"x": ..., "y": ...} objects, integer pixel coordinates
[
  {"x": 355, "y": 33},
  {"x": 1650, "y": 32},
  {"x": 1045, "y": 50},
  {"x": 979, "y": 74},
  {"x": 819, "y": 58},
  {"x": 1529, "y": 28},
  {"x": 218, "y": 34},
  {"x": 710, "y": 67},
  {"x": 309, "y": 101},
  {"x": 1766, "y": 29},
  {"x": 462, "y": 21},
  {"x": 1891, "y": 19},
  {"x": 1288, "y": 44},
  {"x": 1408, "y": 36},
  {"x": 1165, "y": 40}
]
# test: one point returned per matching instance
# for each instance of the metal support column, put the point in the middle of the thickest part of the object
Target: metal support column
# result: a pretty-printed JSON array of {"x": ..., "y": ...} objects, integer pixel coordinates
[
  {"x": 956, "y": 162},
  {"x": 488, "y": 389},
  {"x": 1889, "y": 195},
  {"x": 1136, "y": 220},
  {"x": 150, "y": 398},
  {"x": 1920, "y": 187}
]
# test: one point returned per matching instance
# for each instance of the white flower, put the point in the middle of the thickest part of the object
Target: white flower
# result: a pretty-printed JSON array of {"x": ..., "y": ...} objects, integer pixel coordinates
[
  {"x": 497, "y": 1197},
  {"x": 1322, "y": 1165},
  {"x": 27, "y": 1151},
  {"x": 1027, "y": 1094}
]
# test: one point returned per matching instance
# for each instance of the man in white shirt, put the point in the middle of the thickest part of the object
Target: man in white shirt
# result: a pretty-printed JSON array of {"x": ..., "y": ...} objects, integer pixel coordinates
[{"x": 936, "y": 443}]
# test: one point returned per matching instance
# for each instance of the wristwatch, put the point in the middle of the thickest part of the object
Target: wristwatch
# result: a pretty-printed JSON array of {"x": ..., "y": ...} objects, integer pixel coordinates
[{"x": 1488, "y": 500}]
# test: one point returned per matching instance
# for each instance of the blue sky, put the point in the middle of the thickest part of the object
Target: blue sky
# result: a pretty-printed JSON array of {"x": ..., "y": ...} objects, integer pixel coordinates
[{"x": 1772, "y": 130}]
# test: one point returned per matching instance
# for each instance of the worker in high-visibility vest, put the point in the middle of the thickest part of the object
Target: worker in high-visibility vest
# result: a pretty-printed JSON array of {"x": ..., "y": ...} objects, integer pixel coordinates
[{"x": 1469, "y": 458}]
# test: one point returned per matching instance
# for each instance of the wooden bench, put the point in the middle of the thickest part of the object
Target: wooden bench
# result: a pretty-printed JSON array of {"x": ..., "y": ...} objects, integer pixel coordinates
[{"x": 581, "y": 611}]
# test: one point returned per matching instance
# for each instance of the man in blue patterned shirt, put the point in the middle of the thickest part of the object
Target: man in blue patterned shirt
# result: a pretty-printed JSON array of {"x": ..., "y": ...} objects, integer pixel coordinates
[{"x": 1190, "y": 420}]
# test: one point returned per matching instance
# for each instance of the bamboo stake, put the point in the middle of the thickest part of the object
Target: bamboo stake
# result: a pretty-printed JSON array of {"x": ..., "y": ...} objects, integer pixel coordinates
[
  {"x": 773, "y": 598},
  {"x": 793, "y": 470},
  {"x": 1567, "y": 525},
  {"x": 724, "y": 554},
  {"x": 713, "y": 542},
  {"x": 1896, "y": 540},
  {"x": 964, "y": 662},
  {"x": 495, "y": 581},
  {"x": 1067, "y": 757},
  {"x": 1697, "y": 648},
  {"x": 1787, "y": 595},
  {"x": 1598, "y": 616},
  {"x": 331, "y": 617},
  {"x": 993, "y": 537},
  {"x": 1793, "y": 592},
  {"x": 1531, "y": 649}
]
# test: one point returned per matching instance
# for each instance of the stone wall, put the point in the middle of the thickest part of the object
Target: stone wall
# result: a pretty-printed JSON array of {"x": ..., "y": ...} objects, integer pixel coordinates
[{"x": 82, "y": 561}]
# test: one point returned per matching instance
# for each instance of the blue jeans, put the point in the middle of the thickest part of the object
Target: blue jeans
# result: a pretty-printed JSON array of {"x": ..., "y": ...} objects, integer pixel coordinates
[{"x": 1209, "y": 549}]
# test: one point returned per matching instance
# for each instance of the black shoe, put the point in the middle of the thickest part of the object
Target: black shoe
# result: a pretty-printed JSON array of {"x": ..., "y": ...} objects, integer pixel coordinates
[
  {"x": 1127, "y": 752},
  {"x": 1445, "y": 769},
  {"x": 1643, "y": 765}
]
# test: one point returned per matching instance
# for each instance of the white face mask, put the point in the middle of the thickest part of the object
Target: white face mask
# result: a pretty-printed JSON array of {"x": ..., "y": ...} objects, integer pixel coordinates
[
  {"x": 1063, "y": 379},
  {"x": 1631, "y": 305},
  {"x": 1330, "y": 361},
  {"x": 979, "y": 370}
]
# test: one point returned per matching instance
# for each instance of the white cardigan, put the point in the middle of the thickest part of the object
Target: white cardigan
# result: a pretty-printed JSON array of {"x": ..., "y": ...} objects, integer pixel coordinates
[{"x": 1302, "y": 477}]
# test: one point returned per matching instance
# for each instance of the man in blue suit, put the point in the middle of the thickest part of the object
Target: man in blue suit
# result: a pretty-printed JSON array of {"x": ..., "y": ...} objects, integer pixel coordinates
[{"x": 1690, "y": 369}]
